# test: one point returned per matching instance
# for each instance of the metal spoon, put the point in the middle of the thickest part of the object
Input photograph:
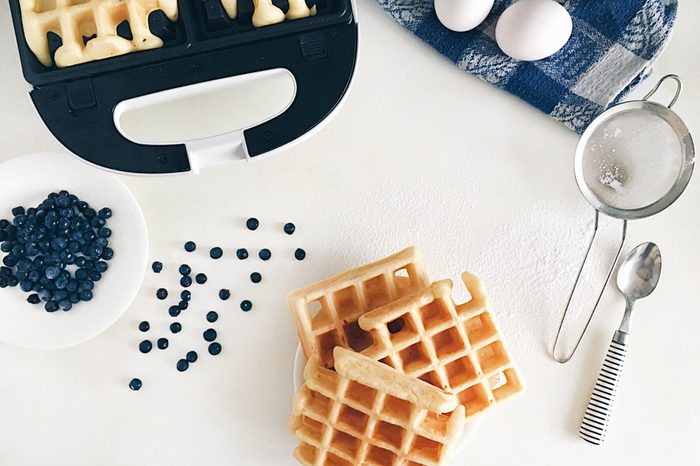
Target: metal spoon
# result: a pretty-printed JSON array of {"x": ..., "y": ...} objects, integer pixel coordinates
[{"x": 637, "y": 278}]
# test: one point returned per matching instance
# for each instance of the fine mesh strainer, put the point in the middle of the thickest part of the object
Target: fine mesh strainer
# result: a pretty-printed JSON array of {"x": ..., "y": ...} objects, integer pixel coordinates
[{"x": 633, "y": 161}]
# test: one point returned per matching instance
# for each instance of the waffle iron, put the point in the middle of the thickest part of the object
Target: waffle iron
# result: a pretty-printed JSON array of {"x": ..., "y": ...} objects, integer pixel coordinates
[{"x": 78, "y": 103}]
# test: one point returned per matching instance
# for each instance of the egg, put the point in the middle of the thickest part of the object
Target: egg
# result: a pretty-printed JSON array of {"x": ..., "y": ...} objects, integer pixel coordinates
[
  {"x": 462, "y": 15},
  {"x": 531, "y": 30}
]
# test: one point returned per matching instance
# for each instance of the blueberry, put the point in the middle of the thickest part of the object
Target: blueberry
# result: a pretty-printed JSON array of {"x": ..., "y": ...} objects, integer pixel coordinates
[
  {"x": 174, "y": 311},
  {"x": 135, "y": 384},
  {"x": 85, "y": 295},
  {"x": 145, "y": 346},
  {"x": 59, "y": 243},
  {"x": 216, "y": 253},
  {"x": 105, "y": 213},
  {"x": 255, "y": 277},
  {"x": 65, "y": 305},
  {"x": 265, "y": 254},
  {"x": 104, "y": 232},
  {"x": 289, "y": 228},
  {"x": 101, "y": 267},
  {"x": 45, "y": 295},
  {"x": 185, "y": 281},
  {"x": 242, "y": 253},
  {"x": 82, "y": 274},
  {"x": 212, "y": 316},
  {"x": 144, "y": 326},
  {"x": 97, "y": 222},
  {"x": 33, "y": 299},
  {"x": 201, "y": 278},
  {"x": 52, "y": 272},
  {"x": 51, "y": 306},
  {"x": 94, "y": 275},
  {"x": 162, "y": 294},
  {"x": 214, "y": 348},
  {"x": 252, "y": 224},
  {"x": 246, "y": 305},
  {"x": 190, "y": 246},
  {"x": 191, "y": 356},
  {"x": 185, "y": 295},
  {"x": 182, "y": 365},
  {"x": 18, "y": 211},
  {"x": 107, "y": 254},
  {"x": 89, "y": 212},
  {"x": 162, "y": 343},
  {"x": 184, "y": 269},
  {"x": 157, "y": 267},
  {"x": 224, "y": 294},
  {"x": 74, "y": 298},
  {"x": 209, "y": 334},
  {"x": 300, "y": 254},
  {"x": 26, "y": 285},
  {"x": 62, "y": 282},
  {"x": 175, "y": 327},
  {"x": 183, "y": 305}
]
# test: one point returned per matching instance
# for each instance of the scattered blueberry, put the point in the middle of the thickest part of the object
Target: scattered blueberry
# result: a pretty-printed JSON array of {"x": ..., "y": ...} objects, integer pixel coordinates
[
  {"x": 191, "y": 356},
  {"x": 212, "y": 316},
  {"x": 200, "y": 278},
  {"x": 183, "y": 305},
  {"x": 162, "y": 294},
  {"x": 185, "y": 269},
  {"x": 145, "y": 346},
  {"x": 162, "y": 343},
  {"x": 214, "y": 348},
  {"x": 105, "y": 213},
  {"x": 224, "y": 294},
  {"x": 144, "y": 326},
  {"x": 265, "y": 254},
  {"x": 252, "y": 224},
  {"x": 255, "y": 277},
  {"x": 209, "y": 334},
  {"x": 185, "y": 295},
  {"x": 182, "y": 365},
  {"x": 300, "y": 254},
  {"x": 185, "y": 281},
  {"x": 174, "y": 311},
  {"x": 190, "y": 246},
  {"x": 33, "y": 299},
  {"x": 216, "y": 253},
  {"x": 289, "y": 228},
  {"x": 51, "y": 306},
  {"x": 242, "y": 253},
  {"x": 246, "y": 305},
  {"x": 175, "y": 327},
  {"x": 135, "y": 384}
]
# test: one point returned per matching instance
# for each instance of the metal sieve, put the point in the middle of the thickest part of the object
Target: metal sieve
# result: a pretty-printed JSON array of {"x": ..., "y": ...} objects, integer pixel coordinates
[{"x": 633, "y": 161}]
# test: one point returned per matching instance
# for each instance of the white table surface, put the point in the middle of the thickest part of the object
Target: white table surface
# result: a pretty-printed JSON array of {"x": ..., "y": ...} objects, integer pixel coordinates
[{"x": 421, "y": 154}]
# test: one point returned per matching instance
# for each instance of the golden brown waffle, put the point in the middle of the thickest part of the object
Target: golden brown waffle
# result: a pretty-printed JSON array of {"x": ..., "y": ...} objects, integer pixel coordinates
[
  {"x": 78, "y": 20},
  {"x": 326, "y": 313},
  {"x": 367, "y": 413},
  {"x": 457, "y": 348}
]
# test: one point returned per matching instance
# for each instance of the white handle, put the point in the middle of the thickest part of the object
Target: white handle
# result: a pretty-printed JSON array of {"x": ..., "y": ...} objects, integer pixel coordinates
[{"x": 594, "y": 425}]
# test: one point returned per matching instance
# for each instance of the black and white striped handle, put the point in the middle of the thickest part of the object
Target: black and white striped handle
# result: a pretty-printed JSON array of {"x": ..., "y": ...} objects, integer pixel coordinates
[{"x": 595, "y": 421}]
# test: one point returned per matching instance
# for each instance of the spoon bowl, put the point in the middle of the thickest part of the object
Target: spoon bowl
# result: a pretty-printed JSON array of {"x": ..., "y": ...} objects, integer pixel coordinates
[{"x": 640, "y": 271}]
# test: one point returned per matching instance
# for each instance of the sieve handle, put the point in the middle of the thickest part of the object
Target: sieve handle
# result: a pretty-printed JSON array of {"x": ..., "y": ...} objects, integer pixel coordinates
[{"x": 679, "y": 88}]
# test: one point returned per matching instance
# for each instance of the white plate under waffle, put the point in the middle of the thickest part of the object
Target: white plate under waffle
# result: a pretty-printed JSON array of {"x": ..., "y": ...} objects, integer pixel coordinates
[
  {"x": 25, "y": 181},
  {"x": 300, "y": 363}
]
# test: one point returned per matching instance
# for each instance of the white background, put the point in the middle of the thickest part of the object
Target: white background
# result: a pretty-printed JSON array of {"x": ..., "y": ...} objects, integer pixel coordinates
[{"x": 421, "y": 154}]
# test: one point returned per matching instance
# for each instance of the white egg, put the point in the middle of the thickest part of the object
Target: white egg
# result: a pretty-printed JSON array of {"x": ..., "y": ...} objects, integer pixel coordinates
[
  {"x": 462, "y": 15},
  {"x": 533, "y": 29}
]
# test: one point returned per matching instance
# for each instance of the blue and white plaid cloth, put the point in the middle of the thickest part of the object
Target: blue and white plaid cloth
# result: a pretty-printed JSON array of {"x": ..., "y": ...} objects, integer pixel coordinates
[{"x": 613, "y": 45}]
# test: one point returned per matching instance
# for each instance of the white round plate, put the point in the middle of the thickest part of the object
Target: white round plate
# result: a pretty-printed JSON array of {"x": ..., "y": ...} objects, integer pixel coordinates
[
  {"x": 298, "y": 376},
  {"x": 26, "y": 181}
]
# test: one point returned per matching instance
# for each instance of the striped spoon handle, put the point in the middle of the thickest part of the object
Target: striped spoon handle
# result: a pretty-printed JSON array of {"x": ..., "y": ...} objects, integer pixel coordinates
[{"x": 595, "y": 421}]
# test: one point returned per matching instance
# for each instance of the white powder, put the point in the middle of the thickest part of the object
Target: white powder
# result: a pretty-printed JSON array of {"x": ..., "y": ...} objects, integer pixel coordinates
[{"x": 633, "y": 160}]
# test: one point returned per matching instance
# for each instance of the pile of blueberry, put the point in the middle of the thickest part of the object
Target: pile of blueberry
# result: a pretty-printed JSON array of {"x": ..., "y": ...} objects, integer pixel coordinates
[
  {"x": 55, "y": 251},
  {"x": 210, "y": 335}
]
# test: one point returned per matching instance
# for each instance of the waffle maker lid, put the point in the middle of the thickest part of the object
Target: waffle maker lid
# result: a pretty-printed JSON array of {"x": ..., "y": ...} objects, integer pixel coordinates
[{"x": 77, "y": 103}]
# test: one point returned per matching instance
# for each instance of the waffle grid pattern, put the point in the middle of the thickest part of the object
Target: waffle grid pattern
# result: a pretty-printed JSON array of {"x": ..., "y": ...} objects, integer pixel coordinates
[
  {"x": 326, "y": 313},
  {"x": 88, "y": 28},
  {"x": 457, "y": 348},
  {"x": 344, "y": 422}
]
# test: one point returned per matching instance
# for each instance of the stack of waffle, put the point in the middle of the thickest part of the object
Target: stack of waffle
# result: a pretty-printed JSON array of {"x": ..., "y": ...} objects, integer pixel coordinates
[{"x": 394, "y": 367}]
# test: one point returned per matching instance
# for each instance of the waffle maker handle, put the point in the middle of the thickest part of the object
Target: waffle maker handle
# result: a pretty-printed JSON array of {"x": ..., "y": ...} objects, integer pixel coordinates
[{"x": 80, "y": 113}]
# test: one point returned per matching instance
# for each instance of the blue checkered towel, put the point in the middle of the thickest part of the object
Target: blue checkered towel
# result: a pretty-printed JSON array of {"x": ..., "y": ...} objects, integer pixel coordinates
[{"x": 613, "y": 45}]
